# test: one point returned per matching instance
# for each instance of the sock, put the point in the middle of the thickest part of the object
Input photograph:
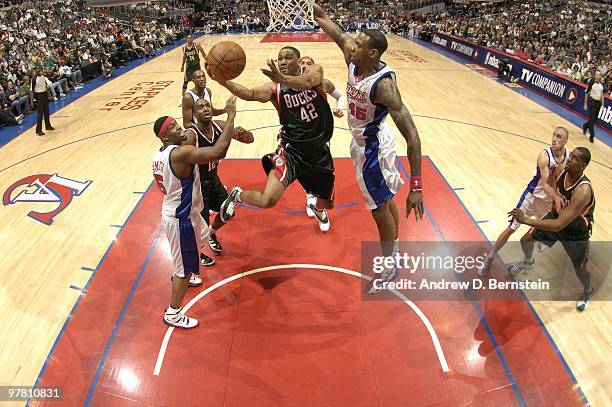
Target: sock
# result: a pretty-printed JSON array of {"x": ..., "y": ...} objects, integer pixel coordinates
[
  {"x": 213, "y": 231},
  {"x": 396, "y": 246},
  {"x": 528, "y": 259},
  {"x": 490, "y": 255},
  {"x": 172, "y": 311},
  {"x": 238, "y": 196}
]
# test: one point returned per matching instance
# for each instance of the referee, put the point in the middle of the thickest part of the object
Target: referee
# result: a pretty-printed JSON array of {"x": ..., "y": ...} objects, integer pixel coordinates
[
  {"x": 595, "y": 97},
  {"x": 39, "y": 91}
]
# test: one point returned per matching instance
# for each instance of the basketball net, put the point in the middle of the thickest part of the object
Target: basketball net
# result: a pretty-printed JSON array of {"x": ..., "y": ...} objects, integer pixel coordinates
[{"x": 296, "y": 14}]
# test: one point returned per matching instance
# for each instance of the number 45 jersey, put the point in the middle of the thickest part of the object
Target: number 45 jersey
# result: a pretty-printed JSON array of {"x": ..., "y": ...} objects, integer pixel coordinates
[
  {"x": 373, "y": 146},
  {"x": 305, "y": 116}
]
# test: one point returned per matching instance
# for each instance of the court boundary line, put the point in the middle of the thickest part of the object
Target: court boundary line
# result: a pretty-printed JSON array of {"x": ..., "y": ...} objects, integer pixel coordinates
[
  {"x": 430, "y": 329},
  {"x": 577, "y": 387},
  {"x": 498, "y": 351},
  {"x": 77, "y": 302}
]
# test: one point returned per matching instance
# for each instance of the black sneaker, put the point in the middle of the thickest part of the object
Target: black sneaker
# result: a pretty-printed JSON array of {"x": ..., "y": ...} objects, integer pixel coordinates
[
  {"x": 214, "y": 244},
  {"x": 206, "y": 260},
  {"x": 229, "y": 205}
]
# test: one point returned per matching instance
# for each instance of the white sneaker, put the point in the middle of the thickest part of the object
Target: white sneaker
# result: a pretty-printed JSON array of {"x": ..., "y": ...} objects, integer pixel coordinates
[
  {"x": 321, "y": 216},
  {"x": 386, "y": 276},
  {"x": 520, "y": 266},
  {"x": 309, "y": 211},
  {"x": 228, "y": 206},
  {"x": 180, "y": 320},
  {"x": 194, "y": 281}
]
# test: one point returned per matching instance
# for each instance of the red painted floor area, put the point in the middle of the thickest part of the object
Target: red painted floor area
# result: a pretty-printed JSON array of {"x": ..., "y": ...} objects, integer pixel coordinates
[
  {"x": 296, "y": 37},
  {"x": 296, "y": 336}
]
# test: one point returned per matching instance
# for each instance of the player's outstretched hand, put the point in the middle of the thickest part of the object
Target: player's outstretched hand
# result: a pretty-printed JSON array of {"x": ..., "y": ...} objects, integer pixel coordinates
[
  {"x": 230, "y": 106},
  {"x": 273, "y": 73},
  {"x": 415, "y": 201},
  {"x": 243, "y": 135},
  {"x": 338, "y": 113},
  {"x": 518, "y": 215}
]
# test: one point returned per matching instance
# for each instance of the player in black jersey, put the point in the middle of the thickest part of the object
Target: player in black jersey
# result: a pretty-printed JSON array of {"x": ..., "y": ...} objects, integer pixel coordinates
[
  {"x": 191, "y": 58},
  {"x": 214, "y": 193},
  {"x": 307, "y": 125},
  {"x": 572, "y": 227}
]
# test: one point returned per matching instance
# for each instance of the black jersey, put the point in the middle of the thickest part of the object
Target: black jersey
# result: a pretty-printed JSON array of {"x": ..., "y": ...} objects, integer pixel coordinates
[
  {"x": 203, "y": 141},
  {"x": 192, "y": 58},
  {"x": 305, "y": 116},
  {"x": 581, "y": 226}
]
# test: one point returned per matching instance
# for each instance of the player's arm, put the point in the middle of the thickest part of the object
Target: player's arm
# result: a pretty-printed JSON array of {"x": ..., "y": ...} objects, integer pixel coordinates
[
  {"x": 201, "y": 50},
  {"x": 311, "y": 78},
  {"x": 203, "y": 155},
  {"x": 336, "y": 94},
  {"x": 580, "y": 199},
  {"x": 264, "y": 93},
  {"x": 215, "y": 111},
  {"x": 549, "y": 190},
  {"x": 240, "y": 134},
  {"x": 184, "y": 58},
  {"x": 187, "y": 107},
  {"x": 387, "y": 94},
  {"x": 344, "y": 40}
]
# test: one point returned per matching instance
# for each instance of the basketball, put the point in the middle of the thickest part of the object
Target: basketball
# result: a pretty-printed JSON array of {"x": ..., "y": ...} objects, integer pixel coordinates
[{"x": 225, "y": 60}]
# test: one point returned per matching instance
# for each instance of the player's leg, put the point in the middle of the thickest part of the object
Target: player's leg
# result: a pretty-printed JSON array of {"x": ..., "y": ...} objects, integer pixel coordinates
[
  {"x": 217, "y": 194},
  {"x": 318, "y": 180},
  {"x": 204, "y": 184},
  {"x": 186, "y": 80},
  {"x": 285, "y": 172},
  {"x": 578, "y": 252},
  {"x": 183, "y": 237}
]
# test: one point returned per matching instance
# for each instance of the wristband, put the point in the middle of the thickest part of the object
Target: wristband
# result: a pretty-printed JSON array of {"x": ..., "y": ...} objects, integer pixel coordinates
[{"x": 415, "y": 183}]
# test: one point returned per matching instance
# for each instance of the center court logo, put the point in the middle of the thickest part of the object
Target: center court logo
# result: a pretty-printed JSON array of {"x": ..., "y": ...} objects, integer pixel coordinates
[{"x": 44, "y": 188}]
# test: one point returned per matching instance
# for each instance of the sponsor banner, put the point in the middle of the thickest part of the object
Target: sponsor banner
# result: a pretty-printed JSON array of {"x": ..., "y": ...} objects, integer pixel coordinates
[{"x": 562, "y": 90}]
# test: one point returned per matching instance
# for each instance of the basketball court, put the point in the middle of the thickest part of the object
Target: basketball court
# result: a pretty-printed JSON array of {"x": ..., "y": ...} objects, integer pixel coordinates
[{"x": 283, "y": 321}]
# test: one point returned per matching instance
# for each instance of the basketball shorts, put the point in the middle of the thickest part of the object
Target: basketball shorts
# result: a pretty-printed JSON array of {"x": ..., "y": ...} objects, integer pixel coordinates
[
  {"x": 375, "y": 170},
  {"x": 532, "y": 206},
  {"x": 190, "y": 70},
  {"x": 314, "y": 170},
  {"x": 213, "y": 192},
  {"x": 576, "y": 247},
  {"x": 185, "y": 237}
]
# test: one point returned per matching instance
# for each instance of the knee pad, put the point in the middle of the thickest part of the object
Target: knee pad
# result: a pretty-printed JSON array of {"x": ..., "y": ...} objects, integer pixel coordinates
[
  {"x": 267, "y": 164},
  {"x": 185, "y": 84}
]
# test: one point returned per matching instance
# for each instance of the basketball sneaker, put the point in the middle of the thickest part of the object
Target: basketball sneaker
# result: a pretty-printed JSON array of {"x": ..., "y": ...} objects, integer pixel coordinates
[
  {"x": 386, "y": 276},
  {"x": 321, "y": 215},
  {"x": 229, "y": 205},
  {"x": 520, "y": 266},
  {"x": 194, "y": 281},
  {"x": 206, "y": 260},
  {"x": 179, "y": 320},
  {"x": 486, "y": 265},
  {"x": 214, "y": 244},
  {"x": 309, "y": 211},
  {"x": 585, "y": 300}
]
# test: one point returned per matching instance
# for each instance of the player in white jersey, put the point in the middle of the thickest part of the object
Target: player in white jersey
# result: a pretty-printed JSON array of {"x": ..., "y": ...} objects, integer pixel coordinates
[
  {"x": 539, "y": 194},
  {"x": 175, "y": 170},
  {"x": 372, "y": 94},
  {"x": 198, "y": 92}
]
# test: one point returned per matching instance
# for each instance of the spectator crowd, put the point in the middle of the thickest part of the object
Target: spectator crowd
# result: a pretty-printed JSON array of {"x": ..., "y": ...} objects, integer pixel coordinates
[{"x": 69, "y": 43}]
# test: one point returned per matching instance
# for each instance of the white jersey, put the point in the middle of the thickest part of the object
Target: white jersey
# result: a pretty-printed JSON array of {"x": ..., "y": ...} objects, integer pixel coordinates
[
  {"x": 195, "y": 99},
  {"x": 365, "y": 119},
  {"x": 536, "y": 185},
  {"x": 182, "y": 197}
]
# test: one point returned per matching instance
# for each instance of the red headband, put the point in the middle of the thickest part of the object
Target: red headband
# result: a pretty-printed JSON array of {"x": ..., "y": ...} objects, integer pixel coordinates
[{"x": 164, "y": 127}]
